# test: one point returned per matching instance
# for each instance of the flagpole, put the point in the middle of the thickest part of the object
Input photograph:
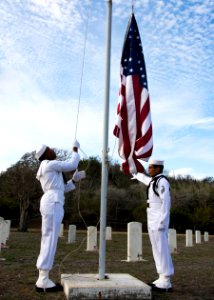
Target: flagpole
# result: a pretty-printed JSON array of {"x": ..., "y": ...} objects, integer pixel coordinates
[{"x": 104, "y": 178}]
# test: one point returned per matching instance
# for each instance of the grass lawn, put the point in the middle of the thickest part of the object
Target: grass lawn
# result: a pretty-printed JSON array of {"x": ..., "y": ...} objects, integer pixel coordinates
[{"x": 194, "y": 266}]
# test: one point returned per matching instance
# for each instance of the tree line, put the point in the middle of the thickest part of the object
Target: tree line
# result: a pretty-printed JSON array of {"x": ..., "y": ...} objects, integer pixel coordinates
[{"x": 20, "y": 192}]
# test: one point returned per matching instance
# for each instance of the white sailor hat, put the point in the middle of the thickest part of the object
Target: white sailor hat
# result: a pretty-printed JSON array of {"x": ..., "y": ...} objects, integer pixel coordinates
[
  {"x": 40, "y": 150},
  {"x": 156, "y": 162}
]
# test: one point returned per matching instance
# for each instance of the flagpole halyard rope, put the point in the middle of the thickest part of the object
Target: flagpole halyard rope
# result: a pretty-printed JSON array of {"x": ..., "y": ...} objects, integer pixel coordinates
[
  {"x": 75, "y": 136},
  {"x": 81, "y": 76}
]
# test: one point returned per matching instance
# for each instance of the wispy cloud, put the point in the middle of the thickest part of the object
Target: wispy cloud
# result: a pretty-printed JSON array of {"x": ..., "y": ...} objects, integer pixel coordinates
[
  {"x": 30, "y": 118},
  {"x": 205, "y": 123},
  {"x": 41, "y": 60}
]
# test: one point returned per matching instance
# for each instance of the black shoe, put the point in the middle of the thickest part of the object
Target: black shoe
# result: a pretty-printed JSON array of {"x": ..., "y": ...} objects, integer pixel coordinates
[
  {"x": 57, "y": 288},
  {"x": 157, "y": 289},
  {"x": 151, "y": 284}
]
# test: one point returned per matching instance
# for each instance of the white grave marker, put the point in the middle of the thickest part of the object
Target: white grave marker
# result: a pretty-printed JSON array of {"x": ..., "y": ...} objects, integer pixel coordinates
[
  {"x": 172, "y": 238},
  {"x": 206, "y": 236},
  {"x": 71, "y": 234},
  {"x": 189, "y": 238},
  {"x": 134, "y": 241},
  {"x": 4, "y": 233},
  {"x": 198, "y": 237},
  {"x": 8, "y": 225},
  {"x": 1, "y": 230},
  {"x": 61, "y": 230},
  {"x": 108, "y": 233},
  {"x": 91, "y": 238}
]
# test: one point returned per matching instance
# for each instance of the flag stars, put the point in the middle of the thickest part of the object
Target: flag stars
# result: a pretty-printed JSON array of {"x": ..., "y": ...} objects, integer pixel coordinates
[{"x": 133, "y": 60}]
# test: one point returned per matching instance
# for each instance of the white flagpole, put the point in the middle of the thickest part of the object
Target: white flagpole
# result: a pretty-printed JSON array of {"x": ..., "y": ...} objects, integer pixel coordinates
[{"x": 105, "y": 162}]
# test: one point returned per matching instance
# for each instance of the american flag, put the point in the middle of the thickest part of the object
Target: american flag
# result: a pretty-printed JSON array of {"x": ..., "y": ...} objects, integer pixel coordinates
[{"x": 133, "y": 127}]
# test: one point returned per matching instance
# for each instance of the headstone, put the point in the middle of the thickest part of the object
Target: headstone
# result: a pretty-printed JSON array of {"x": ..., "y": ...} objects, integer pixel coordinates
[
  {"x": 4, "y": 234},
  {"x": 134, "y": 241},
  {"x": 206, "y": 236},
  {"x": 189, "y": 238},
  {"x": 71, "y": 234},
  {"x": 1, "y": 230},
  {"x": 172, "y": 239},
  {"x": 61, "y": 230},
  {"x": 198, "y": 237},
  {"x": 108, "y": 233},
  {"x": 8, "y": 225},
  {"x": 91, "y": 238}
]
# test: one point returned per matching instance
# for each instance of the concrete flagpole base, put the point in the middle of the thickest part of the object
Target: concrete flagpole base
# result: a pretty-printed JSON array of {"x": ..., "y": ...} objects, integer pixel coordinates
[{"x": 116, "y": 286}]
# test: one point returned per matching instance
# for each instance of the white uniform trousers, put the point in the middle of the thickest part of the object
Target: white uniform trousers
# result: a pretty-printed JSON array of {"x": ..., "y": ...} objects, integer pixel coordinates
[
  {"x": 161, "y": 251},
  {"x": 52, "y": 215}
]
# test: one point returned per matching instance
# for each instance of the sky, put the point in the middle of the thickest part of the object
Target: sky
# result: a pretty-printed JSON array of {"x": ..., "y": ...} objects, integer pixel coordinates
[{"x": 52, "y": 77}]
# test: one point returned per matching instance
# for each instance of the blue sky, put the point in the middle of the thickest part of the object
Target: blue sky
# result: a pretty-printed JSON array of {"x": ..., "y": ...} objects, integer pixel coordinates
[{"x": 41, "y": 55}]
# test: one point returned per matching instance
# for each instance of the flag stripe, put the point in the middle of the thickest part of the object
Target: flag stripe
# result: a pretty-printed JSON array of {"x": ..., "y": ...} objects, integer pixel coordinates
[
  {"x": 137, "y": 98},
  {"x": 144, "y": 140},
  {"x": 124, "y": 127}
]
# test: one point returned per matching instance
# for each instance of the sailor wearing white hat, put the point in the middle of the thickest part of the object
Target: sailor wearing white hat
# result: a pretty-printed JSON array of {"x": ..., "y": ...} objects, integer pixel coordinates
[
  {"x": 51, "y": 207},
  {"x": 158, "y": 215},
  {"x": 156, "y": 162},
  {"x": 40, "y": 150}
]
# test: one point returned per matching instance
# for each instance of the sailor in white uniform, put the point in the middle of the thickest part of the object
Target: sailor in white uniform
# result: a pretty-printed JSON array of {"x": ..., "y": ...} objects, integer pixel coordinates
[
  {"x": 51, "y": 207},
  {"x": 158, "y": 215}
]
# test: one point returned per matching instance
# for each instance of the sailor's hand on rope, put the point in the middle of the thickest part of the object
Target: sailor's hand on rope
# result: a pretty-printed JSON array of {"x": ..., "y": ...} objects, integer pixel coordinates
[
  {"x": 76, "y": 145},
  {"x": 78, "y": 175},
  {"x": 134, "y": 176}
]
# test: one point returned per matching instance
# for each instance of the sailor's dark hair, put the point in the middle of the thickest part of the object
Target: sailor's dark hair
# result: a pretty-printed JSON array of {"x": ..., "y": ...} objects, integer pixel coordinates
[
  {"x": 159, "y": 166},
  {"x": 43, "y": 156}
]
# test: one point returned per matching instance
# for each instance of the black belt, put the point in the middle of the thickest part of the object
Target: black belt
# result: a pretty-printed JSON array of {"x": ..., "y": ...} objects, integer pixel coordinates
[{"x": 147, "y": 205}]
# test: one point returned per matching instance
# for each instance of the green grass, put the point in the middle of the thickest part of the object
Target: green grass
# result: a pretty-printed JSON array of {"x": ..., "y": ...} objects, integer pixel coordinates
[{"x": 194, "y": 266}]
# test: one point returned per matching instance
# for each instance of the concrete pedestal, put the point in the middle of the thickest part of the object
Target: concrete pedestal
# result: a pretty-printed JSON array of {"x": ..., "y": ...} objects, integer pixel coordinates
[{"x": 115, "y": 287}]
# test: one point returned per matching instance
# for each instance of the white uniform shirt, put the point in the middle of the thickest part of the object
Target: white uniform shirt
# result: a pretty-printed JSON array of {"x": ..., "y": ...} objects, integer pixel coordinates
[
  {"x": 50, "y": 177},
  {"x": 159, "y": 206}
]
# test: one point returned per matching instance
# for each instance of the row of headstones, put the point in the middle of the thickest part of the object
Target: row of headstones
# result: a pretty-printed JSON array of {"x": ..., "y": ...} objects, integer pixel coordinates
[
  {"x": 91, "y": 235},
  {"x": 172, "y": 237},
  {"x": 4, "y": 232},
  {"x": 134, "y": 242}
]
